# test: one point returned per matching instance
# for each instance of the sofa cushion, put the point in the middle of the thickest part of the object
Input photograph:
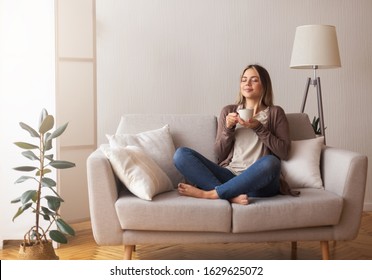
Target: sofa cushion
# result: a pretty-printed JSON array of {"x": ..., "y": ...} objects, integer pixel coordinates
[
  {"x": 172, "y": 212},
  {"x": 302, "y": 169},
  {"x": 314, "y": 207},
  {"x": 157, "y": 143},
  {"x": 137, "y": 171}
]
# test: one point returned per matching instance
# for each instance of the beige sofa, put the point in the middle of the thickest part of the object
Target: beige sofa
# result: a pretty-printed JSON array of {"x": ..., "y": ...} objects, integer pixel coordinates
[{"x": 318, "y": 214}]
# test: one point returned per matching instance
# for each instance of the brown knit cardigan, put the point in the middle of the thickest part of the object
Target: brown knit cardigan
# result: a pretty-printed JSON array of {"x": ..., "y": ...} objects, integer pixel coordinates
[{"x": 274, "y": 136}]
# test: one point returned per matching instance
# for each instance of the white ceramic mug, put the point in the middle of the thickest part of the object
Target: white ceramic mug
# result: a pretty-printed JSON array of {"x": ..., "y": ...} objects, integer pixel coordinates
[{"x": 245, "y": 114}]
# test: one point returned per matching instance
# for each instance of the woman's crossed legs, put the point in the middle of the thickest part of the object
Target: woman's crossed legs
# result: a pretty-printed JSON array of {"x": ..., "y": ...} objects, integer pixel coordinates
[{"x": 213, "y": 181}]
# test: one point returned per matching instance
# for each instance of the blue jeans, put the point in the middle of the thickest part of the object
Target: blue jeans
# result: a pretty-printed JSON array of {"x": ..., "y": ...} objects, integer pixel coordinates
[{"x": 261, "y": 179}]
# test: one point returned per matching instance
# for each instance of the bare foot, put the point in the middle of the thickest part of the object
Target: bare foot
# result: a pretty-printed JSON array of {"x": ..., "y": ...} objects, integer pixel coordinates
[
  {"x": 240, "y": 199},
  {"x": 189, "y": 190}
]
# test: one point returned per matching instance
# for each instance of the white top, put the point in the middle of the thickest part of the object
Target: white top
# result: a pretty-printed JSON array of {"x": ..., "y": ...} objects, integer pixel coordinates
[{"x": 247, "y": 147}]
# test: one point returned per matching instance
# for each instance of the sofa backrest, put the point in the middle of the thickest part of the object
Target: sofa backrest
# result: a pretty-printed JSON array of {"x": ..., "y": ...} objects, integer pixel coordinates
[
  {"x": 194, "y": 131},
  {"x": 199, "y": 131},
  {"x": 300, "y": 127}
]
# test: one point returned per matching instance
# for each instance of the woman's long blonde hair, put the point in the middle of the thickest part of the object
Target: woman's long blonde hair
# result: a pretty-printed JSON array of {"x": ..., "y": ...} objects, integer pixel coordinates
[{"x": 267, "y": 97}]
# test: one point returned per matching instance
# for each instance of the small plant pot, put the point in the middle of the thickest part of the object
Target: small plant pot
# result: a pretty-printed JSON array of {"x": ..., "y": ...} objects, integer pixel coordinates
[{"x": 37, "y": 251}]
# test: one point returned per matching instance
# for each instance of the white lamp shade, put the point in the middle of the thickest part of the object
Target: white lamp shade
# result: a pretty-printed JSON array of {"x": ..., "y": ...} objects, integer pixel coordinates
[{"x": 315, "y": 45}]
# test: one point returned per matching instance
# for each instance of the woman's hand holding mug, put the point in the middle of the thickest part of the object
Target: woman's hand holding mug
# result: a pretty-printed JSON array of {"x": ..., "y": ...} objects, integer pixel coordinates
[{"x": 231, "y": 120}]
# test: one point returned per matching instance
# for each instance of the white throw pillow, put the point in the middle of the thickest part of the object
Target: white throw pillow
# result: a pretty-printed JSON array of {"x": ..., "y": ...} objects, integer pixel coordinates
[
  {"x": 157, "y": 144},
  {"x": 138, "y": 172},
  {"x": 302, "y": 169}
]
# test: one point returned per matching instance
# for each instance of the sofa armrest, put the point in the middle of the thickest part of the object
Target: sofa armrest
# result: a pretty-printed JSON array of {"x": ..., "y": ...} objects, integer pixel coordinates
[
  {"x": 345, "y": 173},
  {"x": 103, "y": 193}
]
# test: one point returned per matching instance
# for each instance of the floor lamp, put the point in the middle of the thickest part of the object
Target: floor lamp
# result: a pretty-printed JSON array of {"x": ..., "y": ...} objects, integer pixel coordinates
[{"x": 315, "y": 47}]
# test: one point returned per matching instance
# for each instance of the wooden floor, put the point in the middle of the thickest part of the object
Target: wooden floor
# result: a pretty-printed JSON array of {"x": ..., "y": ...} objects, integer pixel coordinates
[{"x": 83, "y": 247}]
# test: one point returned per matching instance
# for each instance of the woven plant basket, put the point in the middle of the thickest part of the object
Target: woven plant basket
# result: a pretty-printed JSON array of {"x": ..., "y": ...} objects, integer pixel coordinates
[
  {"x": 40, "y": 251},
  {"x": 30, "y": 250}
]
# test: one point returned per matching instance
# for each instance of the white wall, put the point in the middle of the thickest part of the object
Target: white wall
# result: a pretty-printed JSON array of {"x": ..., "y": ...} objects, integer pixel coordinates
[
  {"x": 166, "y": 56},
  {"x": 26, "y": 86},
  {"x": 177, "y": 56}
]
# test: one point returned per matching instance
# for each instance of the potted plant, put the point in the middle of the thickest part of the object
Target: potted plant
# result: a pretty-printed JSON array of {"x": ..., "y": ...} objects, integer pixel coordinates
[
  {"x": 44, "y": 204},
  {"x": 316, "y": 126}
]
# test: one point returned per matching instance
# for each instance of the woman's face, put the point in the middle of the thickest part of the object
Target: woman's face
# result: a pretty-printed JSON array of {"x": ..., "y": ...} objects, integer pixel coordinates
[{"x": 250, "y": 85}]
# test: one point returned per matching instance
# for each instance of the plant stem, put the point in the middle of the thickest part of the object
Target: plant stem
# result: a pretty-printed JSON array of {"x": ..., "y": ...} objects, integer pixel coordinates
[{"x": 41, "y": 174}]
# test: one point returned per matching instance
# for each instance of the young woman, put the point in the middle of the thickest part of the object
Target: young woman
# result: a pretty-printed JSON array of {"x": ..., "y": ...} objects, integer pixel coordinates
[{"x": 249, "y": 152}]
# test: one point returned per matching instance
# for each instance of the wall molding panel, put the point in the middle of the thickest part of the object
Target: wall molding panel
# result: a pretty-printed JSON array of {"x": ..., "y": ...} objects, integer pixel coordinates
[{"x": 76, "y": 99}]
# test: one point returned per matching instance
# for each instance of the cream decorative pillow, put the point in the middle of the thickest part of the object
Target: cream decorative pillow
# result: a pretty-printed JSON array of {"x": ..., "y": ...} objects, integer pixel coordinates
[
  {"x": 138, "y": 172},
  {"x": 157, "y": 144},
  {"x": 302, "y": 169}
]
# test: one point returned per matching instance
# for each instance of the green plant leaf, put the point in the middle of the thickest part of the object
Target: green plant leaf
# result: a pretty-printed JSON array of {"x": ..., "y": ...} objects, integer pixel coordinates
[
  {"x": 26, "y": 146},
  {"x": 47, "y": 124},
  {"x": 316, "y": 125},
  {"x": 35, "y": 234},
  {"x": 23, "y": 178},
  {"x": 46, "y": 217},
  {"x": 46, "y": 137},
  {"x": 30, "y": 155},
  {"x": 29, "y": 195},
  {"x": 46, "y": 171},
  {"x": 61, "y": 164},
  {"x": 53, "y": 191},
  {"x": 57, "y": 236},
  {"x": 43, "y": 114},
  {"x": 50, "y": 157},
  {"x": 28, "y": 128},
  {"x": 64, "y": 227},
  {"x": 48, "y": 182},
  {"x": 25, "y": 168},
  {"x": 53, "y": 202},
  {"x": 48, "y": 145},
  {"x": 16, "y": 200},
  {"x": 47, "y": 214},
  {"x": 58, "y": 131},
  {"x": 21, "y": 210},
  {"x": 46, "y": 211}
]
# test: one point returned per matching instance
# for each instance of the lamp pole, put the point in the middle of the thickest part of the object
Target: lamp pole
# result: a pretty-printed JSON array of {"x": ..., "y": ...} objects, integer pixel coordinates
[{"x": 316, "y": 83}]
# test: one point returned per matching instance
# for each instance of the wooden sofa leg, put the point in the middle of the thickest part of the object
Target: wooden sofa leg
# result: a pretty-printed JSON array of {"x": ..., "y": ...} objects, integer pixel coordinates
[
  {"x": 128, "y": 249},
  {"x": 325, "y": 250},
  {"x": 294, "y": 250}
]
